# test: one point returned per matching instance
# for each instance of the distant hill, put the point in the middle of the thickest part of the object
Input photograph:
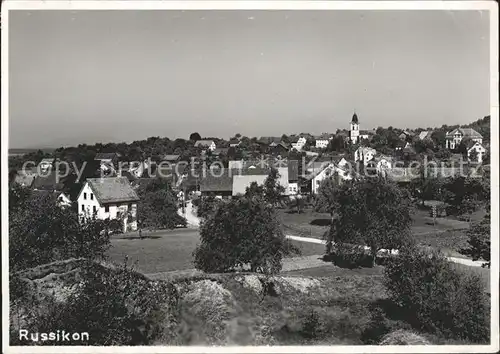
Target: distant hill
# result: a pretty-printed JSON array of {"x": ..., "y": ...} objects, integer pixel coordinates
[{"x": 17, "y": 152}]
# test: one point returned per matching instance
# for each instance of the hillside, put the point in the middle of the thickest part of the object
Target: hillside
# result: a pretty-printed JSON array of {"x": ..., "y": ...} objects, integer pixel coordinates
[{"x": 219, "y": 309}]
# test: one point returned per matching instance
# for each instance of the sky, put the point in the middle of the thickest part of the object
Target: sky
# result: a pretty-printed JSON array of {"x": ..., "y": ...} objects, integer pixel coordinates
[{"x": 119, "y": 76}]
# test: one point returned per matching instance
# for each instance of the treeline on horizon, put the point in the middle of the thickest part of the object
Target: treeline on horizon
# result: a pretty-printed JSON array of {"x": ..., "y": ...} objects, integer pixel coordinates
[{"x": 156, "y": 147}]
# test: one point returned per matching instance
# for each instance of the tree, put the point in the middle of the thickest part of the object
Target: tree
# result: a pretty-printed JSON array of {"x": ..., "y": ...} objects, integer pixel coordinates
[
  {"x": 207, "y": 206},
  {"x": 337, "y": 143},
  {"x": 195, "y": 137},
  {"x": 371, "y": 212},
  {"x": 254, "y": 191},
  {"x": 273, "y": 190},
  {"x": 326, "y": 201},
  {"x": 41, "y": 232},
  {"x": 473, "y": 156},
  {"x": 480, "y": 241},
  {"x": 242, "y": 232},
  {"x": 157, "y": 207}
]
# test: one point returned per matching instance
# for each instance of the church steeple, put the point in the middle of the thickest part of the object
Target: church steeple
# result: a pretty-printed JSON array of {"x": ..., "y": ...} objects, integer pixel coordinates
[
  {"x": 354, "y": 118},
  {"x": 354, "y": 131}
]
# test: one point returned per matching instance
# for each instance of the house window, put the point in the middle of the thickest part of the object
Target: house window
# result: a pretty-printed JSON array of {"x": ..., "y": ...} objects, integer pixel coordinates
[
  {"x": 84, "y": 195},
  {"x": 106, "y": 208},
  {"x": 91, "y": 196},
  {"x": 83, "y": 207},
  {"x": 130, "y": 206},
  {"x": 95, "y": 209}
]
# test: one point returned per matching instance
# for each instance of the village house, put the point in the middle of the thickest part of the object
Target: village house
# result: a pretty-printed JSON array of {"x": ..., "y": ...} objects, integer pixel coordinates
[
  {"x": 477, "y": 148},
  {"x": 62, "y": 199},
  {"x": 206, "y": 144},
  {"x": 327, "y": 170},
  {"x": 220, "y": 151},
  {"x": 47, "y": 164},
  {"x": 323, "y": 140},
  {"x": 279, "y": 149},
  {"x": 109, "y": 198},
  {"x": 405, "y": 135},
  {"x": 381, "y": 164},
  {"x": 234, "y": 142},
  {"x": 455, "y": 137},
  {"x": 107, "y": 162},
  {"x": 425, "y": 135},
  {"x": 25, "y": 177},
  {"x": 243, "y": 178},
  {"x": 364, "y": 154},
  {"x": 298, "y": 142},
  {"x": 217, "y": 184},
  {"x": 293, "y": 177}
]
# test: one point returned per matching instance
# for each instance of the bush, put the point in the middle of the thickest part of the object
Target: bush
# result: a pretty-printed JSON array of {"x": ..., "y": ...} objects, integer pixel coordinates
[
  {"x": 479, "y": 241},
  {"x": 437, "y": 298},
  {"x": 350, "y": 256}
]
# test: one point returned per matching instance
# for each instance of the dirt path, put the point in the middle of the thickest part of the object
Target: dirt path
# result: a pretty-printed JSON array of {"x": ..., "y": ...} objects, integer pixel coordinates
[
  {"x": 190, "y": 215},
  {"x": 289, "y": 264}
]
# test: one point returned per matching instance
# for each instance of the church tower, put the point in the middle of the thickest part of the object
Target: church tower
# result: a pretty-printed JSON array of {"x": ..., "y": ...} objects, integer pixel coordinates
[{"x": 354, "y": 132}]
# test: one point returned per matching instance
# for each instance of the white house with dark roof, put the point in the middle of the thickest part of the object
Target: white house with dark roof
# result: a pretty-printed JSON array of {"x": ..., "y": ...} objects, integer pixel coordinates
[
  {"x": 454, "y": 138},
  {"x": 325, "y": 171},
  {"x": 323, "y": 140},
  {"x": 298, "y": 142},
  {"x": 478, "y": 148},
  {"x": 109, "y": 198},
  {"x": 364, "y": 154}
]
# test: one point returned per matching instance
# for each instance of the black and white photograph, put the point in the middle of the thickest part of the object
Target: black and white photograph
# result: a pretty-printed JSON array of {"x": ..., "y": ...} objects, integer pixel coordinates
[{"x": 248, "y": 176}]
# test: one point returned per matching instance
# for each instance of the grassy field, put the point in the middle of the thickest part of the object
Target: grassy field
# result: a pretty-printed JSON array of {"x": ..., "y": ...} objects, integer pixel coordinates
[
  {"x": 165, "y": 251},
  {"x": 312, "y": 224},
  {"x": 446, "y": 234}
]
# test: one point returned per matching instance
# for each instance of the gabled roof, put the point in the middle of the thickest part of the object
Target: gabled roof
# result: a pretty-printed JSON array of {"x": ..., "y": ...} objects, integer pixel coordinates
[
  {"x": 426, "y": 134},
  {"x": 367, "y": 132},
  {"x": 217, "y": 182},
  {"x": 365, "y": 149},
  {"x": 171, "y": 157},
  {"x": 24, "y": 180},
  {"x": 106, "y": 156},
  {"x": 234, "y": 142},
  {"x": 472, "y": 143},
  {"x": 269, "y": 140},
  {"x": 112, "y": 190},
  {"x": 470, "y": 133},
  {"x": 204, "y": 143},
  {"x": 218, "y": 151},
  {"x": 466, "y": 132}
]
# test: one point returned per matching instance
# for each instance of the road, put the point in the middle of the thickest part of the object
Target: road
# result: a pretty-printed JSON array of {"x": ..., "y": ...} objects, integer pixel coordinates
[{"x": 194, "y": 221}]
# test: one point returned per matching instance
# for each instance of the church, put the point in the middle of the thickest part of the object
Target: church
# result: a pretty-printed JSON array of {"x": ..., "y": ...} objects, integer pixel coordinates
[{"x": 356, "y": 135}]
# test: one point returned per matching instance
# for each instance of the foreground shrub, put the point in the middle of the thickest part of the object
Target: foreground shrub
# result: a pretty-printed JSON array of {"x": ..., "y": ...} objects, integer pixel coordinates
[
  {"x": 437, "y": 298},
  {"x": 350, "y": 256}
]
